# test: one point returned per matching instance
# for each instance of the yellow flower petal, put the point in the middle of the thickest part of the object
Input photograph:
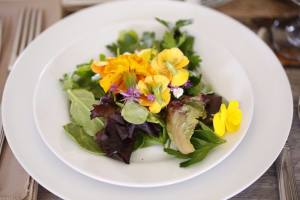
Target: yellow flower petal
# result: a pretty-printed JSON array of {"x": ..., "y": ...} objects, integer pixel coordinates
[
  {"x": 149, "y": 81},
  {"x": 107, "y": 81},
  {"x": 227, "y": 119},
  {"x": 234, "y": 117},
  {"x": 155, "y": 107},
  {"x": 145, "y": 102},
  {"x": 142, "y": 87},
  {"x": 148, "y": 54},
  {"x": 172, "y": 55},
  {"x": 166, "y": 96},
  {"x": 233, "y": 104},
  {"x": 219, "y": 124},
  {"x": 160, "y": 68},
  {"x": 114, "y": 70},
  {"x": 180, "y": 78},
  {"x": 98, "y": 67},
  {"x": 223, "y": 111},
  {"x": 184, "y": 62},
  {"x": 161, "y": 80}
]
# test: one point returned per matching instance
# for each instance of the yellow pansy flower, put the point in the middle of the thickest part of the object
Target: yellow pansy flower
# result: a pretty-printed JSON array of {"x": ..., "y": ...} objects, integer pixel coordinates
[
  {"x": 155, "y": 92},
  {"x": 227, "y": 119},
  {"x": 121, "y": 70},
  {"x": 171, "y": 63},
  {"x": 148, "y": 54}
]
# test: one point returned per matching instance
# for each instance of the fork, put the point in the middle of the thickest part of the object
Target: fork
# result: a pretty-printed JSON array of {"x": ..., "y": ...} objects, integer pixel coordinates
[
  {"x": 28, "y": 27},
  {"x": 1, "y": 34}
]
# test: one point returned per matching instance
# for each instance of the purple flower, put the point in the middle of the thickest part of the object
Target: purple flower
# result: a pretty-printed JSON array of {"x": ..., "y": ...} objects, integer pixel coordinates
[
  {"x": 113, "y": 88},
  {"x": 151, "y": 97},
  {"x": 131, "y": 94},
  {"x": 188, "y": 84}
]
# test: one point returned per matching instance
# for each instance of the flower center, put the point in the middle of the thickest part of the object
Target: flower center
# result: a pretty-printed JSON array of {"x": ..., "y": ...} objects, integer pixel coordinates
[
  {"x": 171, "y": 68},
  {"x": 151, "y": 97},
  {"x": 156, "y": 92},
  {"x": 130, "y": 79}
]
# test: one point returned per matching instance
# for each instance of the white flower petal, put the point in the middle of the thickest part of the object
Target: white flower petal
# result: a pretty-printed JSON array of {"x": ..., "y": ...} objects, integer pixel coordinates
[{"x": 177, "y": 92}]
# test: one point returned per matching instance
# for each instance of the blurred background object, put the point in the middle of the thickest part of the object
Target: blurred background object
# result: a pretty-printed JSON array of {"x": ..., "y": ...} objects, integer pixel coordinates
[{"x": 286, "y": 36}]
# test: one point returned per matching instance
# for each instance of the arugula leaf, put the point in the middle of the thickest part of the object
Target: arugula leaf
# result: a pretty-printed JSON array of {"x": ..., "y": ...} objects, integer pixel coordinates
[
  {"x": 164, "y": 22},
  {"x": 183, "y": 22},
  {"x": 134, "y": 113},
  {"x": 208, "y": 136},
  {"x": 81, "y": 105},
  {"x": 102, "y": 57},
  {"x": 181, "y": 39},
  {"x": 82, "y": 78},
  {"x": 139, "y": 142},
  {"x": 128, "y": 41},
  {"x": 67, "y": 82},
  {"x": 168, "y": 40},
  {"x": 147, "y": 40},
  {"x": 198, "y": 155},
  {"x": 163, "y": 137},
  {"x": 205, "y": 127},
  {"x": 195, "y": 61},
  {"x": 113, "y": 48},
  {"x": 198, "y": 143},
  {"x": 176, "y": 153},
  {"x": 198, "y": 87},
  {"x": 77, "y": 133}
]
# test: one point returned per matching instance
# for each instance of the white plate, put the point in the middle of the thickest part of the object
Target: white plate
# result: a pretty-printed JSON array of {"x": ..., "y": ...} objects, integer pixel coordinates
[
  {"x": 220, "y": 69},
  {"x": 255, "y": 154}
]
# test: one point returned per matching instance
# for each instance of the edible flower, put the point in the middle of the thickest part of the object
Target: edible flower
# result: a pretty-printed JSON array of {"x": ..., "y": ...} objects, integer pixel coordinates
[
  {"x": 177, "y": 91},
  {"x": 155, "y": 92},
  {"x": 227, "y": 119},
  {"x": 121, "y": 72},
  {"x": 171, "y": 63},
  {"x": 148, "y": 54},
  {"x": 132, "y": 94}
]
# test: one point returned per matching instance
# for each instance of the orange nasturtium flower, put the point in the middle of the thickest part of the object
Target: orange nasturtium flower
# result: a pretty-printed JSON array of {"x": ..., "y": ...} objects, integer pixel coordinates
[
  {"x": 171, "y": 63},
  {"x": 227, "y": 119},
  {"x": 121, "y": 72},
  {"x": 155, "y": 92}
]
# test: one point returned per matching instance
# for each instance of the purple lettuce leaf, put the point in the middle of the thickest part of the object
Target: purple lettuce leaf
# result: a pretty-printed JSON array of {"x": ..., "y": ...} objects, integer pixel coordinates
[
  {"x": 212, "y": 106},
  {"x": 105, "y": 108},
  {"x": 118, "y": 137}
]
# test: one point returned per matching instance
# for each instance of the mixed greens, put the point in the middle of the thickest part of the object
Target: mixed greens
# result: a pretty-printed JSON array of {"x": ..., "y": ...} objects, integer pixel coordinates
[{"x": 149, "y": 91}]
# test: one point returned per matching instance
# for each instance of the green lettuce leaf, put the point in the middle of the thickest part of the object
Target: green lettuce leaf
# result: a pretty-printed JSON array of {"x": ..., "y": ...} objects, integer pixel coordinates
[
  {"x": 182, "y": 121},
  {"x": 134, "y": 113},
  {"x": 198, "y": 155},
  {"x": 77, "y": 133},
  {"x": 128, "y": 41},
  {"x": 81, "y": 105},
  {"x": 83, "y": 78}
]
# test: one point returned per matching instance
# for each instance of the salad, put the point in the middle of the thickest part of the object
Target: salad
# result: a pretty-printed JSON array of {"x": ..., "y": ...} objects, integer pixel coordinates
[{"x": 148, "y": 91}]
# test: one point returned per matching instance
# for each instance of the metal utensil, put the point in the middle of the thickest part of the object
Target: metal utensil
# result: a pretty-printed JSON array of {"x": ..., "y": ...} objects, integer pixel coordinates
[
  {"x": 1, "y": 134},
  {"x": 285, "y": 175},
  {"x": 28, "y": 27},
  {"x": 1, "y": 33}
]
